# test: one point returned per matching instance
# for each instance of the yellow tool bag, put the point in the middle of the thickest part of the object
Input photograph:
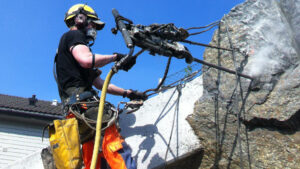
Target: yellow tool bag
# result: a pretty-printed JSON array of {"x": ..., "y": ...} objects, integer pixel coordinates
[{"x": 65, "y": 143}]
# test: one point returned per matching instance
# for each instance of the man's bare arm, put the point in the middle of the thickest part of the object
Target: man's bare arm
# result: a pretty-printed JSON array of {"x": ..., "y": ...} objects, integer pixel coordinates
[
  {"x": 112, "y": 89},
  {"x": 84, "y": 57}
]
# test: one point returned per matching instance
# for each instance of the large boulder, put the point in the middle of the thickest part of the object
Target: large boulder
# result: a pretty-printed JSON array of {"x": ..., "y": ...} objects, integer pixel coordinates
[{"x": 244, "y": 122}]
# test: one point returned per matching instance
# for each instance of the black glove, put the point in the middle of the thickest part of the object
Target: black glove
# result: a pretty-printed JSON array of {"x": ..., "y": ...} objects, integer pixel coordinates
[
  {"x": 128, "y": 64},
  {"x": 136, "y": 95},
  {"x": 119, "y": 56}
]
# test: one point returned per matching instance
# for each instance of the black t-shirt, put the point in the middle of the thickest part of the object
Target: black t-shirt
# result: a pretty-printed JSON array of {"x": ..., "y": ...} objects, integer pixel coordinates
[{"x": 69, "y": 71}]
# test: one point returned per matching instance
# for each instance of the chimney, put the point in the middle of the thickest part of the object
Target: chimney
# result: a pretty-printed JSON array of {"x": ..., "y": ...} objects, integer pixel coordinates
[
  {"x": 54, "y": 102},
  {"x": 32, "y": 100}
]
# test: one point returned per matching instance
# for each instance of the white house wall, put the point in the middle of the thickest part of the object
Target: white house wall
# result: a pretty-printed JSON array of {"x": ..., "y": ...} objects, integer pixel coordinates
[
  {"x": 159, "y": 132},
  {"x": 18, "y": 140}
]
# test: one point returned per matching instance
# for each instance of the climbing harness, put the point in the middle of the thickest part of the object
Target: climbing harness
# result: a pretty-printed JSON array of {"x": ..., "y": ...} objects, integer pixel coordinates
[{"x": 84, "y": 111}]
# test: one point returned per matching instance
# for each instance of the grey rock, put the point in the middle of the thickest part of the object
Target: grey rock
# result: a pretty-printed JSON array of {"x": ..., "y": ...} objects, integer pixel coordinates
[{"x": 253, "y": 124}]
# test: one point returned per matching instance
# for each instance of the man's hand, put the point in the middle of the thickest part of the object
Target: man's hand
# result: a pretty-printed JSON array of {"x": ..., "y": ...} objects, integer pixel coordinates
[
  {"x": 136, "y": 95},
  {"x": 119, "y": 56},
  {"x": 128, "y": 64}
]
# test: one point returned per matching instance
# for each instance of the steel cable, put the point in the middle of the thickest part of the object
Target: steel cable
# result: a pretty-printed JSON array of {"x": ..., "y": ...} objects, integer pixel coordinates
[
  {"x": 197, "y": 33},
  {"x": 201, "y": 27}
]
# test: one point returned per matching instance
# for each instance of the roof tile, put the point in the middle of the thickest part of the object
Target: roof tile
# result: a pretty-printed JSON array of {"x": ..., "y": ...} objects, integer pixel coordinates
[{"x": 20, "y": 103}]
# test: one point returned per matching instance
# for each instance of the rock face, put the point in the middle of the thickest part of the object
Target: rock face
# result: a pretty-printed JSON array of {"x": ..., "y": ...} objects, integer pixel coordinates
[{"x": 253, "y": 124}]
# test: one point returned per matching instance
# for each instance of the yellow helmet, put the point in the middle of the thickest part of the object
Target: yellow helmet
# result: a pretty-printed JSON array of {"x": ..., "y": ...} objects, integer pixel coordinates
[{"x": 84, "y": 9}]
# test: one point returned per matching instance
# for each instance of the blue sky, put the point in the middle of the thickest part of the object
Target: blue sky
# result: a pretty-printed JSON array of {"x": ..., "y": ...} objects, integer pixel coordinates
[{"x": 30, "y": 31}]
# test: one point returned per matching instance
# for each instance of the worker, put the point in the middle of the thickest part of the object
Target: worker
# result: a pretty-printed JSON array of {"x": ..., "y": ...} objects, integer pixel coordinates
[{"x": 76, "y": 68}]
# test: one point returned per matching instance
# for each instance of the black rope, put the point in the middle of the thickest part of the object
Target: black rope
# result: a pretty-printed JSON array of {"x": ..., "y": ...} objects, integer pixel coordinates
[
  {"x": 218, "y": 141},
  {"x": 201, "y": 27},
  {"x": 243, "y": 113},
  {"x": 197, "y": 33},
  {"x": 236, "y": 95},
  {"x": 163, "y": 80},
  {"x": 185, "y": 79}
]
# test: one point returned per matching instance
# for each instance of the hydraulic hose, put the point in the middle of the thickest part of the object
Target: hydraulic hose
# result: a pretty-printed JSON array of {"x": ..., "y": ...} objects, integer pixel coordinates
[{"x": 99, "y": 119}]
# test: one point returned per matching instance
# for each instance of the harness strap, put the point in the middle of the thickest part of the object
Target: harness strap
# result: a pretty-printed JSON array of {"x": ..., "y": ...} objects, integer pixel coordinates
[
  {"x": 81, "y": 116},
  {"x": 60, "y": 91},
  {"x": 78, "y": 97}
]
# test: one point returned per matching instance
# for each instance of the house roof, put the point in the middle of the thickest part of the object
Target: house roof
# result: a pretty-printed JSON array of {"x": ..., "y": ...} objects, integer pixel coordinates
[{"x": 22, "y": 105}]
